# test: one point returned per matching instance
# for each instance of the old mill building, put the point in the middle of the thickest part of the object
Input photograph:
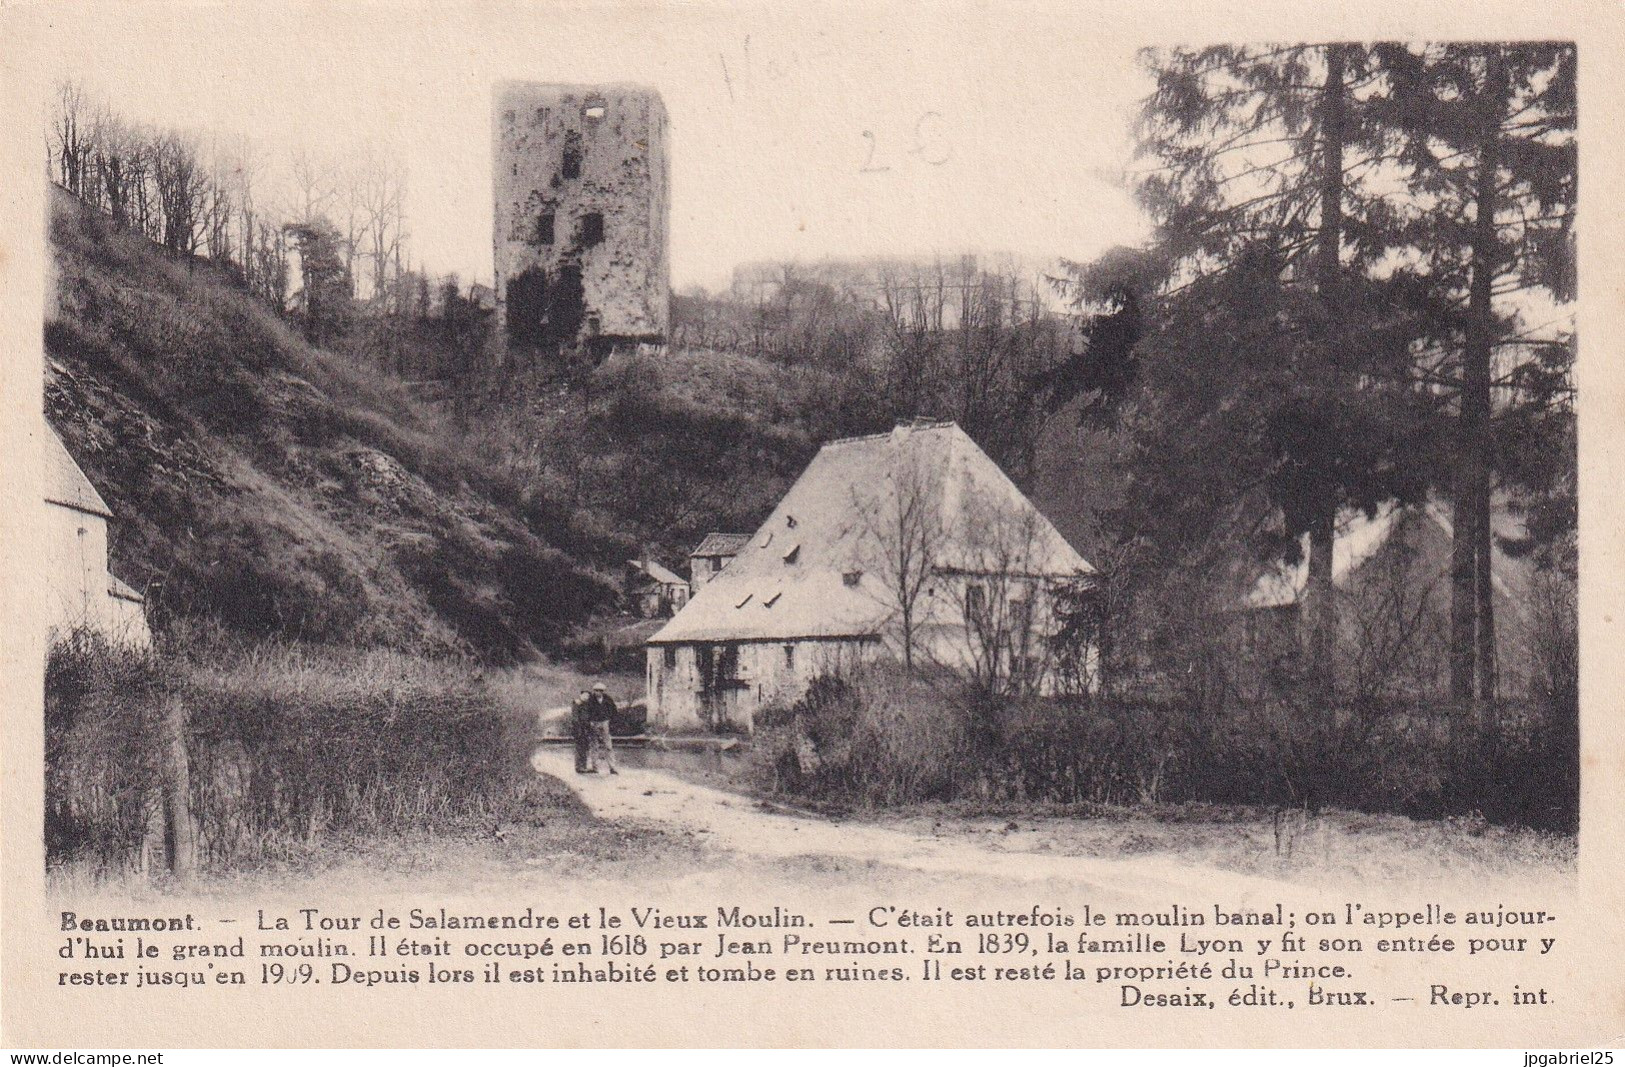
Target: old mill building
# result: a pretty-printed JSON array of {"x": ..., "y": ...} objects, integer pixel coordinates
[{"x": 910, "y": 544}]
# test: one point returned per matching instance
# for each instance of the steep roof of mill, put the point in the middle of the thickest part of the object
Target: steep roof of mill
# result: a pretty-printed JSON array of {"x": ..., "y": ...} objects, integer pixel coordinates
[{"x": 816, "y": 567}]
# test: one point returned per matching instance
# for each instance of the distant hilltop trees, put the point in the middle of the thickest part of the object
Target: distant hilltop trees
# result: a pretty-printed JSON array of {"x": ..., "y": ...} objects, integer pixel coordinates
[{"x": 323, "y": 240}]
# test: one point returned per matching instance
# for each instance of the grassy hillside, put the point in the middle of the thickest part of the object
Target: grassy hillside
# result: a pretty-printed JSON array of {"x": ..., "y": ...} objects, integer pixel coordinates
[
  {"x": 277, "y": 488},
  {"x": 282, "y": 489},
  {"x": 652, "y": 452}
]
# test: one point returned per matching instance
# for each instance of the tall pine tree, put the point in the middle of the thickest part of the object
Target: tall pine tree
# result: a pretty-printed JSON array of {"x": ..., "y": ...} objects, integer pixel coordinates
[
  {"x": 1271, "y": 224},
  {"x": 1490, "y": 162}
]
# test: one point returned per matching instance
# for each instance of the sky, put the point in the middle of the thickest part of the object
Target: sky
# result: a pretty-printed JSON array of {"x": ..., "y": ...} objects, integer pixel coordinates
[{"x": 838, "y": 131}]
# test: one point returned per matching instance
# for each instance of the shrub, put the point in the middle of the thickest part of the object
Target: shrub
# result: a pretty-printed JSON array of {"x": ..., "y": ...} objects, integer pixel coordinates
[
  {"x": 873, "y": 736},
  {"x": 101, "y": 766},
  {"x": 1071, "y": 752},
  {"x": 285, "y": 743},
  {"x": 291, "y": 741}
]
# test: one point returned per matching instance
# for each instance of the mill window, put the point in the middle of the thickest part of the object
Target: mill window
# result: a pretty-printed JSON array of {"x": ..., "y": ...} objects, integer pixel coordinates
[
  {"x": 975, "y": 601},
  {"x": 572, "y": 162},
  {"x": 592, "y": 229}
]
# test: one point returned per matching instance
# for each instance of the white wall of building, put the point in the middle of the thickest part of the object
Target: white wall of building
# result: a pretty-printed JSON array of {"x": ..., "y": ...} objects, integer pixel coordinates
[
  {"x": 767, "y": 672},
  {"x": 78, "y": 583}
]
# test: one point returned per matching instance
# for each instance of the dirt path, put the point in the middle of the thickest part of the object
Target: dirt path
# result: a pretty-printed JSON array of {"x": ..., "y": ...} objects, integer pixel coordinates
[{"x": 734, "y": 823}]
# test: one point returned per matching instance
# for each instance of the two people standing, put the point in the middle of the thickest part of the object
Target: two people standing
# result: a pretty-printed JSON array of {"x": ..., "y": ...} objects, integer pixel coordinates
[{"x": 589, "y": 726}]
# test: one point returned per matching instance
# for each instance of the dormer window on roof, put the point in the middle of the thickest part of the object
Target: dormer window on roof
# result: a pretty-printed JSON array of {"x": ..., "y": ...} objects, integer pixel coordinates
[
  {"x": 790, "y": 521},
  {"x": 793, "y": 554},
  {"x": 745, "y": 601},
  {"x": 767, "y": 539},
  {"x": 774, "y": 599}
]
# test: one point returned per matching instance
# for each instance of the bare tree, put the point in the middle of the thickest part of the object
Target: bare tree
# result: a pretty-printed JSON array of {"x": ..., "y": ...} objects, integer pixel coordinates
[
  {"x": 247, "y": 167},
  {"x": 1394, "y": 626},
  {"x": 270, "y": 258},
  {"x": 70, "y": 145},
  {"x": 1555, "y": 643},
  {"x": 182, "y": 187},
  {"x": 314, "y": 183},
  {"x": 383, "y": 206},
  {"x": 143, "y": 196},
  {"x": 901, "y": 538},
  {"x": 350, "y": 209},
  {"x": 121, "y": 166},
  {"x": 1007, "y": 606},
  {"x": 219, "y": 201},
  {"x": 975, "y": 345}
]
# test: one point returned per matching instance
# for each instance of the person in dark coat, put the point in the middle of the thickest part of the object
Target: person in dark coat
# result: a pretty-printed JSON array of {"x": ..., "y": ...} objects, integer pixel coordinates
[
  {"x": 580, "y": 732},
  {"x": 600, "y": 710}
]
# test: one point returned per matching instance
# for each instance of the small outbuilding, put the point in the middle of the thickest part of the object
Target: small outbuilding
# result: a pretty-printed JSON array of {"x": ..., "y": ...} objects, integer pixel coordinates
[
  {"x": 911, "y": 546},
  {"x": 81, "y": 592},
  {"x": 1391, "y": 574},
  {"x": 711, "y": 555},
  {"x": 652, "y": 590}
]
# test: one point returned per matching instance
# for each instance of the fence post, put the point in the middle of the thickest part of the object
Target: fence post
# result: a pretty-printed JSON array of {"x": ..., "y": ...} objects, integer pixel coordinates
[{"x": 180, "y": 835}]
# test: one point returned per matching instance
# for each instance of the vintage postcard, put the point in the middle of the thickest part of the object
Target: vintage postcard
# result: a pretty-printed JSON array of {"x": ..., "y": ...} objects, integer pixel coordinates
[{"x": 655, "y": 524}]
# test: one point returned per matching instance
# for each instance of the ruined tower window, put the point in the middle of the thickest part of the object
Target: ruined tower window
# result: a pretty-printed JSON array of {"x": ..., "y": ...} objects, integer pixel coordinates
[
  {"x": 544, "y": 312},
  {"x": 851, "y": 578},
  {"x": 527, "y": 308},
  {"x": 594, "y": 111},
  {"x": 592, "y": 229},
  {"x": 544, "y": 228},
  {"x": 572, "y": 155},
  {"x": 542, "y": 116}
]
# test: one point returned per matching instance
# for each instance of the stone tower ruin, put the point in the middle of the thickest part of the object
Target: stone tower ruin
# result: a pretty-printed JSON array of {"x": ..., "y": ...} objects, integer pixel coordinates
[{"x": 582, "y": 211}]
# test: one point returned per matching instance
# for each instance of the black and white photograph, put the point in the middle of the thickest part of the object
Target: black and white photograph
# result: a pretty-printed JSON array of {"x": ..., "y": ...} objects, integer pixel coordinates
[{"x": 892, "y": 502}]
